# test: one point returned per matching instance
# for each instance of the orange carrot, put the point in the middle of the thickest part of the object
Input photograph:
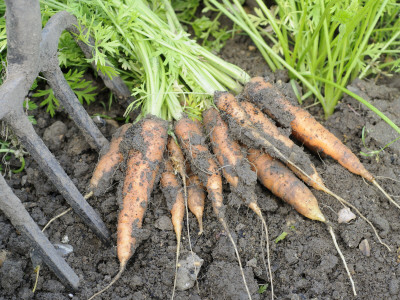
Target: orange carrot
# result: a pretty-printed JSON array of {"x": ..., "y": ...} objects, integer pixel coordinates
[
  {"x": 305, "y": 128},
  {"x": 262, "y": 122},
  {"x": 282, "y": 183},
  {"x": 176, "y": 157},
  {"x": 107, "y": 164},
  {"x": 172, "y": 190},
  {"x": 314, "y": 180},
  {"x": 246, "y": 132},
  {"x": 179, "y": 166},
  {"x": 196, "y": 196},
  {"x": 235, "y": 167},
  {"x": 192, "y": 140},
  {"x": 142, "y": 168},
  {"x": 228, "y": 153}
]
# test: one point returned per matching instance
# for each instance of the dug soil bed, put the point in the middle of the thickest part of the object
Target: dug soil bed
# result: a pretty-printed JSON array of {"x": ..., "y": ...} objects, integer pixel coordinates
[{"x": 305, "y": 263}]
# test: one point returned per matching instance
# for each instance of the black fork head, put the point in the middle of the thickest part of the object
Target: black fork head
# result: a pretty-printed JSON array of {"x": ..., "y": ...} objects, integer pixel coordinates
[{"x": 31, "y": 50}]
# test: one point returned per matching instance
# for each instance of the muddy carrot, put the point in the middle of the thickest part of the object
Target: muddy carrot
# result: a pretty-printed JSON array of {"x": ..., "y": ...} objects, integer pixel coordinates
[
  {"x": 314, "y": 180},
  {"x": 176, "y": 157},
  {"x": 196, "y": 196},
  {"x": 179, "y": 167},
  {"x": 192, "y": 140},
  {"x": 262, "y": 122},
  {"x": 172, "y": 190},
  {"x": 305, "y": 128},
  {"x": 283, "y": 184},
  {"x": 107, "y": 164},
  {"x": 246, "y": 132},
  {"x": 235, "y": 168},
  {"x": 148, "y": 139}
]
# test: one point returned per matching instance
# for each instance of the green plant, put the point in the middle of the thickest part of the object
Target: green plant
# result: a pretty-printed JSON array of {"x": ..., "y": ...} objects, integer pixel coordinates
[
  {"x": 281, "y": 237},
  {"x": 322, "y": 39},
  {"x": 262, "y": 288},
  {"x": 371, "y": 152},
  {"x": 207, "y": 28},
  {"x": 7, "y": 149},
  {"x": 169, "y": 74},
  {"x": 9, "y": 145},
  {"x": 82, "y": 88}
]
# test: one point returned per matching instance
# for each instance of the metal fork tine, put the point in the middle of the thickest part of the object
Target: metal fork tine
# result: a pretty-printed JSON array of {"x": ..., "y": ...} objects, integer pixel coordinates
[
  {"x": 51, "y": 70},
  {"x": 22, "y": 221},
  {"x": 75, "y": 110},
  {"x": 23, "y": 129}
]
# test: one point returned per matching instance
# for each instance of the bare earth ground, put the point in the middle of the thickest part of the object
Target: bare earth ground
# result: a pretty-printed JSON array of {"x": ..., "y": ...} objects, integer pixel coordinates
[{"x": 305, "y": 264}]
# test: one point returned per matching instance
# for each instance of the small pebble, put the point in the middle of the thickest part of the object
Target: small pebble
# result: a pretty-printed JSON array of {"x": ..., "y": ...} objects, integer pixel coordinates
[
  {"x": 240, "y": 226},
  {"x": 252, "y": 263},
  {"x": 345, "y": 215},
  {"x": 164, "y": 223},
  {"x": 54, "y": 135},
  {"x": 63, "y": 250},
  {"x": 65, "y": 239},
  {"x": 188, "y": 269},
  {"x": 23, "y": 180},
  {"x": 99, "y": 120},
  {"x": 365, "y": 248},
  {"x": 252, "y": 48}
]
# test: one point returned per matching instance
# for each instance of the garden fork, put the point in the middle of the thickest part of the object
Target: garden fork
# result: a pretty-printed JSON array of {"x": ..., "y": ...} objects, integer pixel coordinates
[{"x": 31, "y": 50}]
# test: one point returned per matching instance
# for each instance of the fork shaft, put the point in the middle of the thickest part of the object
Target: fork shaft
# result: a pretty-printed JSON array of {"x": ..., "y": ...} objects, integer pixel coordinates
[
  {"x": 24, "y": 25},
  {"x": 22, "y": 221},
  {"x": 23, "y": 129}
]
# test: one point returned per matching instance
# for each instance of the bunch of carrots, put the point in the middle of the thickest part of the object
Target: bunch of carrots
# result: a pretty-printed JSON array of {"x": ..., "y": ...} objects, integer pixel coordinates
[
  {"x": 182, "y": 85},
  {"x": 246, "y": 145}
]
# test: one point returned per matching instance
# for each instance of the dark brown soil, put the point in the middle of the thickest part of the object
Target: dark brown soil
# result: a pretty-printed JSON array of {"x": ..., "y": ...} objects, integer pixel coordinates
[{"x": 305, "y": 264}]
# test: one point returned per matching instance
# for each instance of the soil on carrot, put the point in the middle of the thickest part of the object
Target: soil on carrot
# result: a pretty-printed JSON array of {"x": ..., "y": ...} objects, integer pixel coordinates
[{"x": 305, "y": 263}]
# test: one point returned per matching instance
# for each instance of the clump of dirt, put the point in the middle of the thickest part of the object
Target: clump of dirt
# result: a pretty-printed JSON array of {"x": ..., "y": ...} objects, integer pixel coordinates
[
  {"x": 268, "y": 100},
  {"x": 305, "y": 263}
]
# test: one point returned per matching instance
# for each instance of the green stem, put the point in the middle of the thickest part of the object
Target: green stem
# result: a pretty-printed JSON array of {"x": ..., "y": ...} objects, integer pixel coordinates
[
  {"x": 388, "y": 43},
  {"x": 361, "y": 100}
]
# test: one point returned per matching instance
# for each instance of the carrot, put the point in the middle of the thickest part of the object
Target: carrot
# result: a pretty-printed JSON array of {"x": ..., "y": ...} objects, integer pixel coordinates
[
  {"x": 305, "y": 128},
  {"x": 265, "y": 124},
  {"x": 176, "y": 157},
  {"x": 235, "y": 168},
  {"x": 246, "y": 132},
  {"x": 107, "y": 164},
  {"x": 148, "y": 140},
  {"x": 172, "y": 190},
  {"x": 196, "y": 198},
  {"x": 283, "y": 184},
  {"x": 192, "y": 141},
  {"x": 228, "y": 153},
  {"x": 262, "y": 122}
]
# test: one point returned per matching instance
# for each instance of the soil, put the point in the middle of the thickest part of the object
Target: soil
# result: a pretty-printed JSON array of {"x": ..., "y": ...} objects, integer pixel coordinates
[{"x": 305, "y": 263}]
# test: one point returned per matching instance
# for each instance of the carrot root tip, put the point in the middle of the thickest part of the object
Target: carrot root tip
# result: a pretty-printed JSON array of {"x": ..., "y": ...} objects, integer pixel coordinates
[
  {"x": 330, "y": 229},
  {"x": 88, "y": 195},
  {"x": 118, "y": 276},
  {"x": 385, "y": 193}
]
